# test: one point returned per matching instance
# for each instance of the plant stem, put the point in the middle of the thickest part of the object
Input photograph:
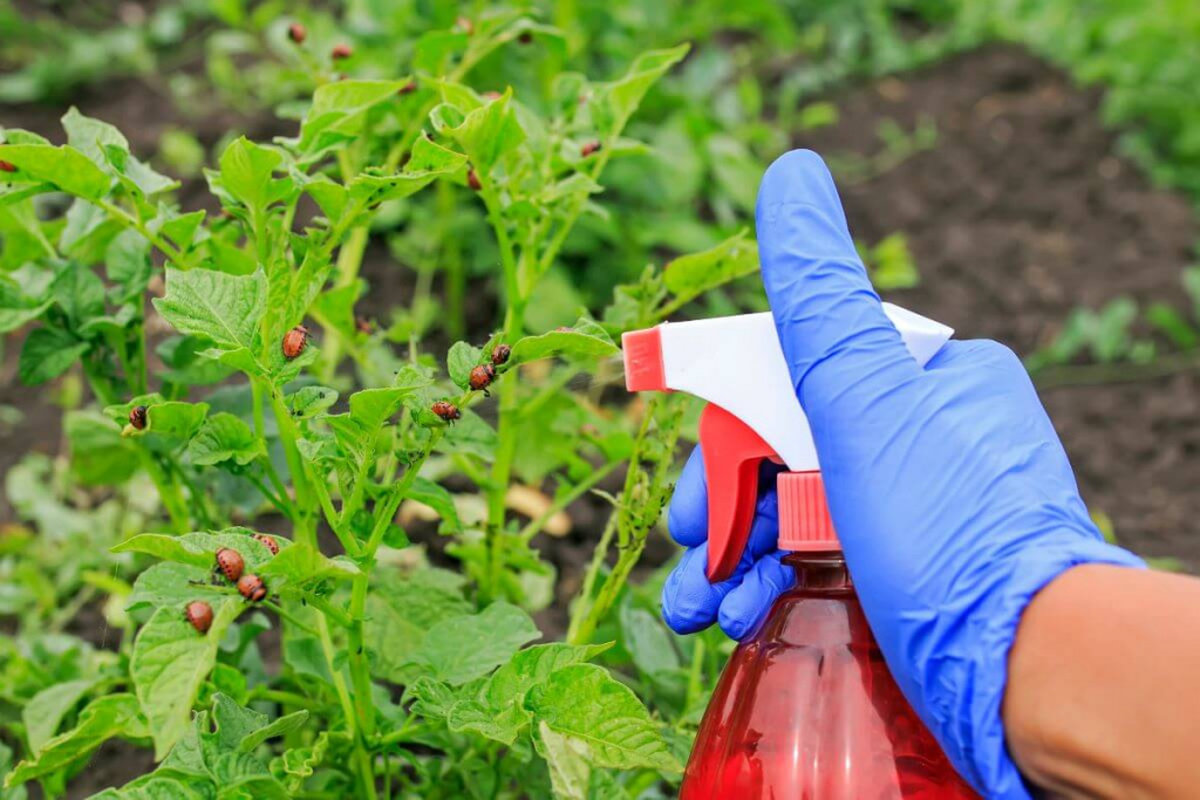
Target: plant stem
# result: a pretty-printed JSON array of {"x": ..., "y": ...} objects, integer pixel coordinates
[
  {"x": 576, "y": 491},
  {"x": 583, "y": 608},
  {"x": 304, "y": 523},
  {"x": 1067, "y": 375},
  {"x": 339, "y": 683},
  {"x": 168, "y": 490},
  {"x": 359, "y": 669},
  {"x": 328, "y": 609},
  {"x": 639, "y": 508},
  {"x": 349, "y": 261},
  {"x": 452, "y": 263},
  {"x": 130, "y": 221}
]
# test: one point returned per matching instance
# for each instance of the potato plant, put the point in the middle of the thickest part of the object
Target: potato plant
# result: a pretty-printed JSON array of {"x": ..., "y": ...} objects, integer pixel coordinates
[{"x": 249, "y": 394}]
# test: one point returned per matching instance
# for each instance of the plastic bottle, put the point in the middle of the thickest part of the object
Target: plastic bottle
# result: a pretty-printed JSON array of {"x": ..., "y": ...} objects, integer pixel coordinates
[{"x": 806, "y": 709}]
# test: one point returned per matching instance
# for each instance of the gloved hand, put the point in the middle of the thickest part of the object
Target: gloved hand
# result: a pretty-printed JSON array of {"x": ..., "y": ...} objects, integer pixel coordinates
[{"x": 948, "y": 487}]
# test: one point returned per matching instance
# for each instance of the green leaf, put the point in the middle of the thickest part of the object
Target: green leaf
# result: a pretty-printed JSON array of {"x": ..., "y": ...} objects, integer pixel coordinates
[
  {"x": 428, "y": 161},
  {"x": 338, "y": 109},
  {"x": 471, "y": 435},
  {"x": 48, "y": 353},
  {"x": 299, "y": 763},
  {"x": 569, "y": 762},
  {"x": 181, "y": 228},
  {"x": 622, "y": 97},
  {"x": 584, "y": 703},
  {"x": 6, "y": 765},
  {"x": 311, "y": 400},
  {"x": 371, "y": 408},
  {"x": 224, "y": 308},
  {"x": 90, "y": 136},
  {"x": 46, "y": 709},
  {"x": 301, "y": 564},
  {"x": 691, "y": 275},
  {"x": 136, "y": 177},
  {"x": 169, "y": 664},
  {"x": 225, "y": 437},
  {"x": 489, "y": 132},
  {"x": 278, "y": 727},
  {"x": 16, "y": 308},
  {"x": 102, "y": 719},
  {"x": 502, "y": 726},
  {"x": 1172, "y": 324},
  {"x": 890, "y": 263},
  {"x": 65, "y": 167},
  {"x": 247, "y": 174},
  {"x": 440, "y": 500},
  {"x": 463, "y": 648},
  {"x": 127, "y": 263},
  {"x": 169, "y": 584},
  {"x": 533, "y": 666},
  {"x": 586, "y": 340},
  {"x": 402, "y": 609},
  {"x": 100, "y": 456},
  {"x": 647, "y": 641},
  {"x": 166, "y": 547},
  {"x": 175, "y": 420},
  {"x": 461, "y": 359}
]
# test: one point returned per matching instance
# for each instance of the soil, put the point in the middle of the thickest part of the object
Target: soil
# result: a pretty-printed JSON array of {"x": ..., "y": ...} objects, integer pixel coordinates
[{"x": 1021, "y": 211}]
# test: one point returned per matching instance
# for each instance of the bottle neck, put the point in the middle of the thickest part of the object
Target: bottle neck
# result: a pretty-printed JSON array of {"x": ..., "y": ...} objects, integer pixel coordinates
[{"x": 820, "y": 571}]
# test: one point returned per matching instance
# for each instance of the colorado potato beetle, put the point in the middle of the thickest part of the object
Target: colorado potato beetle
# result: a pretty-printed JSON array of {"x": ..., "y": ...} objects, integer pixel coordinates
[
  {"x": 446, "y": 410},
  {"x": 200, "y": 614},
  {"x": 137, "y": 417},
  {"x": 481, "y": 377},
  {"x": 294, "y": 342},
  {"x": 252, "y": 587},
  {"x": 230, "y": 563},
  {"x": 500, "y": 354},
  {"x": 268, "y": 543}
]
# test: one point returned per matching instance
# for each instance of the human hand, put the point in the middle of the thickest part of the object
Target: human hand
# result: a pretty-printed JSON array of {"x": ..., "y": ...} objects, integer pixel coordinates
[{"x": 948, "y": 487}]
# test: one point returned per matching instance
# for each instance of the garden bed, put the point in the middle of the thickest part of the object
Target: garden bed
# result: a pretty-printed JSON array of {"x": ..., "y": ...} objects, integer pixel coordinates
[{"x": 1021, "y": 211}]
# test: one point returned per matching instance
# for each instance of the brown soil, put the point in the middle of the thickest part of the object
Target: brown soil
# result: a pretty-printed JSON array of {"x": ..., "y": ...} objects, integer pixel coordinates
[{"x": 1020, "y": 212}]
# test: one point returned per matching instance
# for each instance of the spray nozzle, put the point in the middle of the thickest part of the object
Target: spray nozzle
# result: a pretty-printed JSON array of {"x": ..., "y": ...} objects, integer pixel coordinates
[{"x": 737, "y": 365}]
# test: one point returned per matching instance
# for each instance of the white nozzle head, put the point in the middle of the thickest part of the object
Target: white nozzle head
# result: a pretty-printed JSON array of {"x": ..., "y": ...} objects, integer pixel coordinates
[{"x": 736, "y": 362}]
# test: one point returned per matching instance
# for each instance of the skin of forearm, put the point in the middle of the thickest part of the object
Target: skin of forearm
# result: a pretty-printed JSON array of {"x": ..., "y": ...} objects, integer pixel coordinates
[{"x": 1103, "y": 695}]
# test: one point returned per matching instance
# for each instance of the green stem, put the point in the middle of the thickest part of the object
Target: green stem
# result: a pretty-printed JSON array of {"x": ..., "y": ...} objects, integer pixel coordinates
[
  {"x": 583, "y": 607},
  {"x": 278, "y": 609},
  {"x": 577, "y": 491},
  {"x": 128, "y": 220},
  {"x": 359, "y": 669},
  {"x": 283, "y": 698},
  {"x": 339, "y": 683},
  {"x": 333, "y": 612},
  {"x": 348, "y": 263},
  {"x": 452, "y": 263},
  {"x": 169, "y": 491},
  {"x": 304, "y": 523}
]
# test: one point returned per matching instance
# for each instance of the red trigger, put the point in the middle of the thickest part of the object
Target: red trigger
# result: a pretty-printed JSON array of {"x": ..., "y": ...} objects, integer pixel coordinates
[{"x": 732, "y": 455}]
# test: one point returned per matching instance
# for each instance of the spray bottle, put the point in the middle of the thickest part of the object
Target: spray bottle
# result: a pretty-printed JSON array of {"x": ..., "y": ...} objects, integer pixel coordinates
[{"x": 806, "y": 707}]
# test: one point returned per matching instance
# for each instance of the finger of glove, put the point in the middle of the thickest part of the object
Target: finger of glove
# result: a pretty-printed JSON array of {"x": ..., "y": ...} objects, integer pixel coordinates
[
  {"x": 836, "y": 339},
  {"x": 687, "y": 516},
  {"x": 689, "y": 602},
  {"x": 746, "y": 604}
]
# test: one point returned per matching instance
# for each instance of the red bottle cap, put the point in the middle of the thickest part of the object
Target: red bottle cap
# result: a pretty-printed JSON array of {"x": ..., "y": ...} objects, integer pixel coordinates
[{"x": 804, "y": 521}]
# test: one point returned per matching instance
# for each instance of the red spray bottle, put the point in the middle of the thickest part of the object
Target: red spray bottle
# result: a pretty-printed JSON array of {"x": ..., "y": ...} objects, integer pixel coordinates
[{"x": 806, "y": 707}]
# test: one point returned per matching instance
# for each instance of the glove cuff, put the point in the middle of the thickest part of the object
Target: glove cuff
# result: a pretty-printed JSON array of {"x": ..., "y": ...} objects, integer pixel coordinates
[{"x": 974, "y": 733}]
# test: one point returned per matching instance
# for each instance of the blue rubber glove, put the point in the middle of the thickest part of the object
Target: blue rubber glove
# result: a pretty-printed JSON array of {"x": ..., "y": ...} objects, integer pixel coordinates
[{"x": 948, "y": 486}]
